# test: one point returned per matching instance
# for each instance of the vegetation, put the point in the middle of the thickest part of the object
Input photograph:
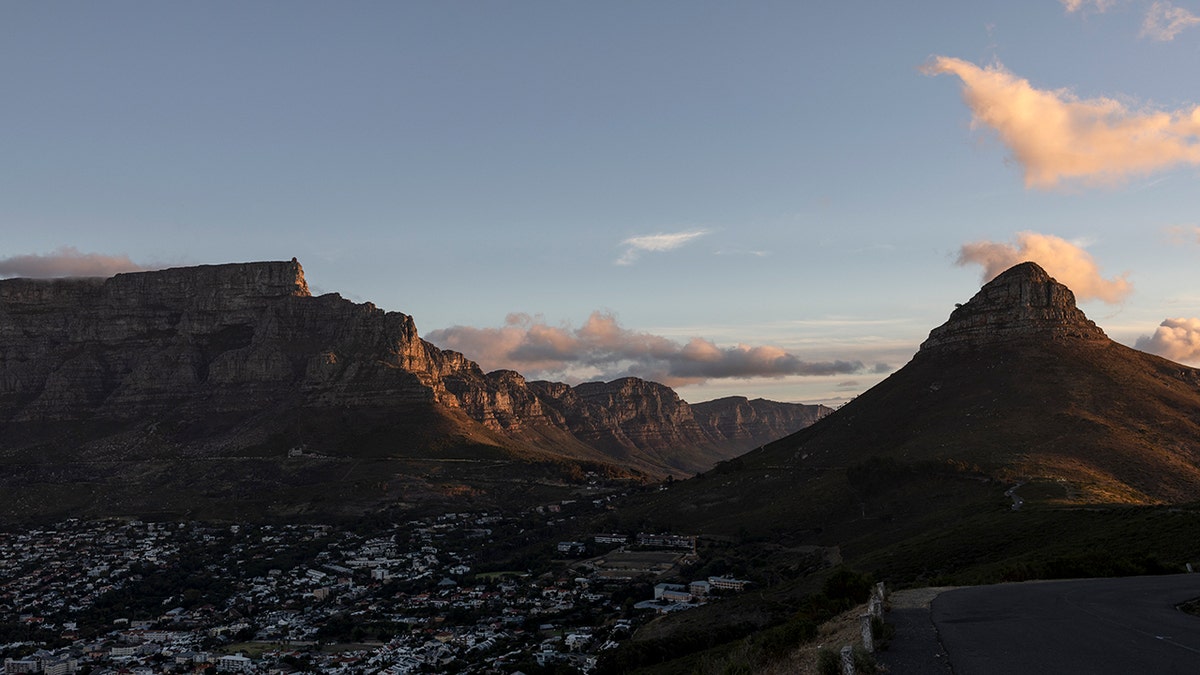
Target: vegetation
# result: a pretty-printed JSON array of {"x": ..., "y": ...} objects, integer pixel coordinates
[{"x": 746, "y": 644}]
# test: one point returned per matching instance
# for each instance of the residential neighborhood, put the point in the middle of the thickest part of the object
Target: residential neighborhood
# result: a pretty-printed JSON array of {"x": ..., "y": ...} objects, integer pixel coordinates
[{"x": 423, "y": 595}]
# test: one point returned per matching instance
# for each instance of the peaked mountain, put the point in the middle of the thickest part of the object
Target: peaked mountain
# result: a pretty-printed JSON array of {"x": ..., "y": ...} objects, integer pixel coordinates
[
  {"x": 1018, "y": 389},
  {"x": 179, "y": 386}
]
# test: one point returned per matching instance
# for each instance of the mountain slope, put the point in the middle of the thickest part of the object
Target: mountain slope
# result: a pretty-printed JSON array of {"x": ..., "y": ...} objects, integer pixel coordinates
[
  {"x": 1018, "y": 443},
  {"x": 1018, "y": 386},
  {"x": 178, "y": 375}
]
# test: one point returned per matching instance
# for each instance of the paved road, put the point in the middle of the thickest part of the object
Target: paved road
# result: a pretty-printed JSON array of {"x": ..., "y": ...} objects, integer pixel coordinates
[{"x": 1095, "y": 626}]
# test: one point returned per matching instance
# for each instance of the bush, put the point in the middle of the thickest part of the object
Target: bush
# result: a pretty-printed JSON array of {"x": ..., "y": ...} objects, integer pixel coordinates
[
  {"x": 829, "y": 662},
  {"x": 777, "y": 642},
  {"x": 846, "y": 584}
]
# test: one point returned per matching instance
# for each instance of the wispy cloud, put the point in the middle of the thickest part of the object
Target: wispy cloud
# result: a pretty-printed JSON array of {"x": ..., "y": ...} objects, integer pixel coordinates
[
  {"x": 1056, "y": 136},
  {"x": 1069, "y": 263},
  {"x": 1184, "y": 234},
  {"x": 66, "y": 262},
  {"x": 1164, "y": 21},
  {"x": 602, "y": 348},
  {"x": 756, "y": 254},
  {"x": 655, "y": 243},
  {"x": 1099, "y": 6},
  {"x": 1175, "y": 339}
]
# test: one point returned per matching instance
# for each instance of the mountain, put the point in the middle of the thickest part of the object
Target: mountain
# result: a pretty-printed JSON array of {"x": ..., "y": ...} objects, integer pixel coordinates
[
  {"x": 1018, "y": 443},
  {"x": 1017, "y": 399},
  {"x": 178, "y": 388}
]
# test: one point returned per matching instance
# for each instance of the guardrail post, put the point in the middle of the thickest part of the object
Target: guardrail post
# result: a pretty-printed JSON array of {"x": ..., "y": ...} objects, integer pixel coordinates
[
  {"x": 847, "y": 660},
  {"x": 868, "y": 638}
]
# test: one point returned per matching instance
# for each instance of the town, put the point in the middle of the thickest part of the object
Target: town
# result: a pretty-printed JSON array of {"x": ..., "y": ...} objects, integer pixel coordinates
[{"x": 423, "y": 595}]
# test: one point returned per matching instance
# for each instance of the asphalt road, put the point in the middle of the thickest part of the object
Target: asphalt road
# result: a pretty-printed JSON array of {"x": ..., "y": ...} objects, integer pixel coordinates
[{"x": 1094, "y": 626}]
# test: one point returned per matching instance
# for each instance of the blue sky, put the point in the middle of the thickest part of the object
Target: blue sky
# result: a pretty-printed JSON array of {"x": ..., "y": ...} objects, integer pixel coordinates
[{"x": 586, "y": 190}]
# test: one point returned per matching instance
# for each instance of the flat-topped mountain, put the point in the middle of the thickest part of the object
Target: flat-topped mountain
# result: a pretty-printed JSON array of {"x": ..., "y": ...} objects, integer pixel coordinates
[{"x": 240, "y": 361}]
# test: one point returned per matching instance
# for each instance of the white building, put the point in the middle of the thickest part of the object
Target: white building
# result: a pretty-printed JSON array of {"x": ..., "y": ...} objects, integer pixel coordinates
[{"x": 235, "y": 663}]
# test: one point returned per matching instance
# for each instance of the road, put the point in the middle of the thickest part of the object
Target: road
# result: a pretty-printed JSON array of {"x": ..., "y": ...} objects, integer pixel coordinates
[{"x": 1095, "y": 626}]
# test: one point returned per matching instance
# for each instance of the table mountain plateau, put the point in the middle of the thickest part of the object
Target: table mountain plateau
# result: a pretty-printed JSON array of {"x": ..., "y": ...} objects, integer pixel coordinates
[{"x": 176, "y": 389}]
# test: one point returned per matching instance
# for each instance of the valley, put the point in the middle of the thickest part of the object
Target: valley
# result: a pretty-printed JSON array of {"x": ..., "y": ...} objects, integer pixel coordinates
[{"x": 277, "y": 436}]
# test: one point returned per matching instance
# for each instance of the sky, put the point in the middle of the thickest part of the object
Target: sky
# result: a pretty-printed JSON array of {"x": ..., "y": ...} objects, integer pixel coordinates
[{"x": 768, "y": 199}]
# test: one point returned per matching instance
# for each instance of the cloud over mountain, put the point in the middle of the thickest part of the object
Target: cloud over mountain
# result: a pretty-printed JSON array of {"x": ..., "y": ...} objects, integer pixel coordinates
[
  {"x": 66, "y": 262},
  {"x": 1066, "y": 262},
  {"x": 1175, "y": 339},
  {"x": 1057, "y": 137},
  {"x": 601, "y": 348}
]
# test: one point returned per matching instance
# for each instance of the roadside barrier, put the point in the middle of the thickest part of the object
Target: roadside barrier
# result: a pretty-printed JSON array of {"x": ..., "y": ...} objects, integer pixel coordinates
[{"x": 866, "y": 621}]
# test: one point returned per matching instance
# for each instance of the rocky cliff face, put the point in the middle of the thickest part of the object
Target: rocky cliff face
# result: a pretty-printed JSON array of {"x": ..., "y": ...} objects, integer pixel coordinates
[
  {"x": 249, "y": 339},
  {"x": 629, "y": 414},
  {"x": 750, "y": 423},
  {"x": 1022, "y": 302},
  {"x": 201, "y": 340}
]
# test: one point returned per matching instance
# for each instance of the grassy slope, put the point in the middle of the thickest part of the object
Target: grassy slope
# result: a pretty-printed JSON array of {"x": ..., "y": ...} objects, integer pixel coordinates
[
  {"x": 354, "y": 462},
  {"x": 909, "y": 480}
]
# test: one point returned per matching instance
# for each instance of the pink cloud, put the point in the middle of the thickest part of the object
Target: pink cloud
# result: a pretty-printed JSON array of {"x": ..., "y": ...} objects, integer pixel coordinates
[
  {"x": 1164, "y": 21},
  {"x": 1175, "y": 339},
  {"x": 66, "y": 262},
  {"x": 602, "y": 348},
  {"x": 1066, "y": 262},
  {"x": 1056, "y": 136}
]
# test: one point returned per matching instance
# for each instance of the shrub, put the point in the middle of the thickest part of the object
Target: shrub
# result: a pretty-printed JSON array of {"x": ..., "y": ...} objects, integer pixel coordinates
[
  {"x": 846, "y": 584},
  {"x": 829, "y": 662}
]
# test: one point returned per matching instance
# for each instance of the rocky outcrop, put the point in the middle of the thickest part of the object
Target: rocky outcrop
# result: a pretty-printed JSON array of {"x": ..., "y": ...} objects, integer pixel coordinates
[
  {"x": 248, "y": 342},
  {"x": 749, "y": 423},
  {"x": 1021, "y": 303},
  {"x": 201, "y": 340},
  {"x": 630, "y": 415}
]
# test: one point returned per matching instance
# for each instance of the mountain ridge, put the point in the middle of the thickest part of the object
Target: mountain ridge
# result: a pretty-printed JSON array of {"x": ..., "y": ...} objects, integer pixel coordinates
[{"x": 242, "y": 358}]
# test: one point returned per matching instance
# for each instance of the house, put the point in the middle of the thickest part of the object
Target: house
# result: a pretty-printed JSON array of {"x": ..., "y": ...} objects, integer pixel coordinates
[
  {"x": 21, "y": 666},
  {"x": 727, "y": 584},
  {"x": 672, "y": 593},
  {"x": 234, "y": 663},
  {"x": 571, "y": 547},
  {"x": 666, "y": 540}
]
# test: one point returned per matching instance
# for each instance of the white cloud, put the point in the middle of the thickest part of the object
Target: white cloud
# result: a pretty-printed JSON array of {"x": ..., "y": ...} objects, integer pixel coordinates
[
  {"x": 1056, "y": 136},
  {"x": 1164, "y": 21},
  {"x": 656, "y": 243},
  {"x": 1066, "y": 262},
  {"x": 66, "y": 262},
  {"x": 1175, "y": 339}
]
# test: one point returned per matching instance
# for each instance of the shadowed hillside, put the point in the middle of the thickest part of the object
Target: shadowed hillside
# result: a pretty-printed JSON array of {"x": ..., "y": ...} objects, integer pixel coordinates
[
  {"x": 1019, "y": 442},
  {"x": 230, "y": 389}
]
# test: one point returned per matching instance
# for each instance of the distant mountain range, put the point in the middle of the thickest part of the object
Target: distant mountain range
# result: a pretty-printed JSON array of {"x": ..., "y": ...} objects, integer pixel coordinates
[{"x": 181, "y": 389}]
